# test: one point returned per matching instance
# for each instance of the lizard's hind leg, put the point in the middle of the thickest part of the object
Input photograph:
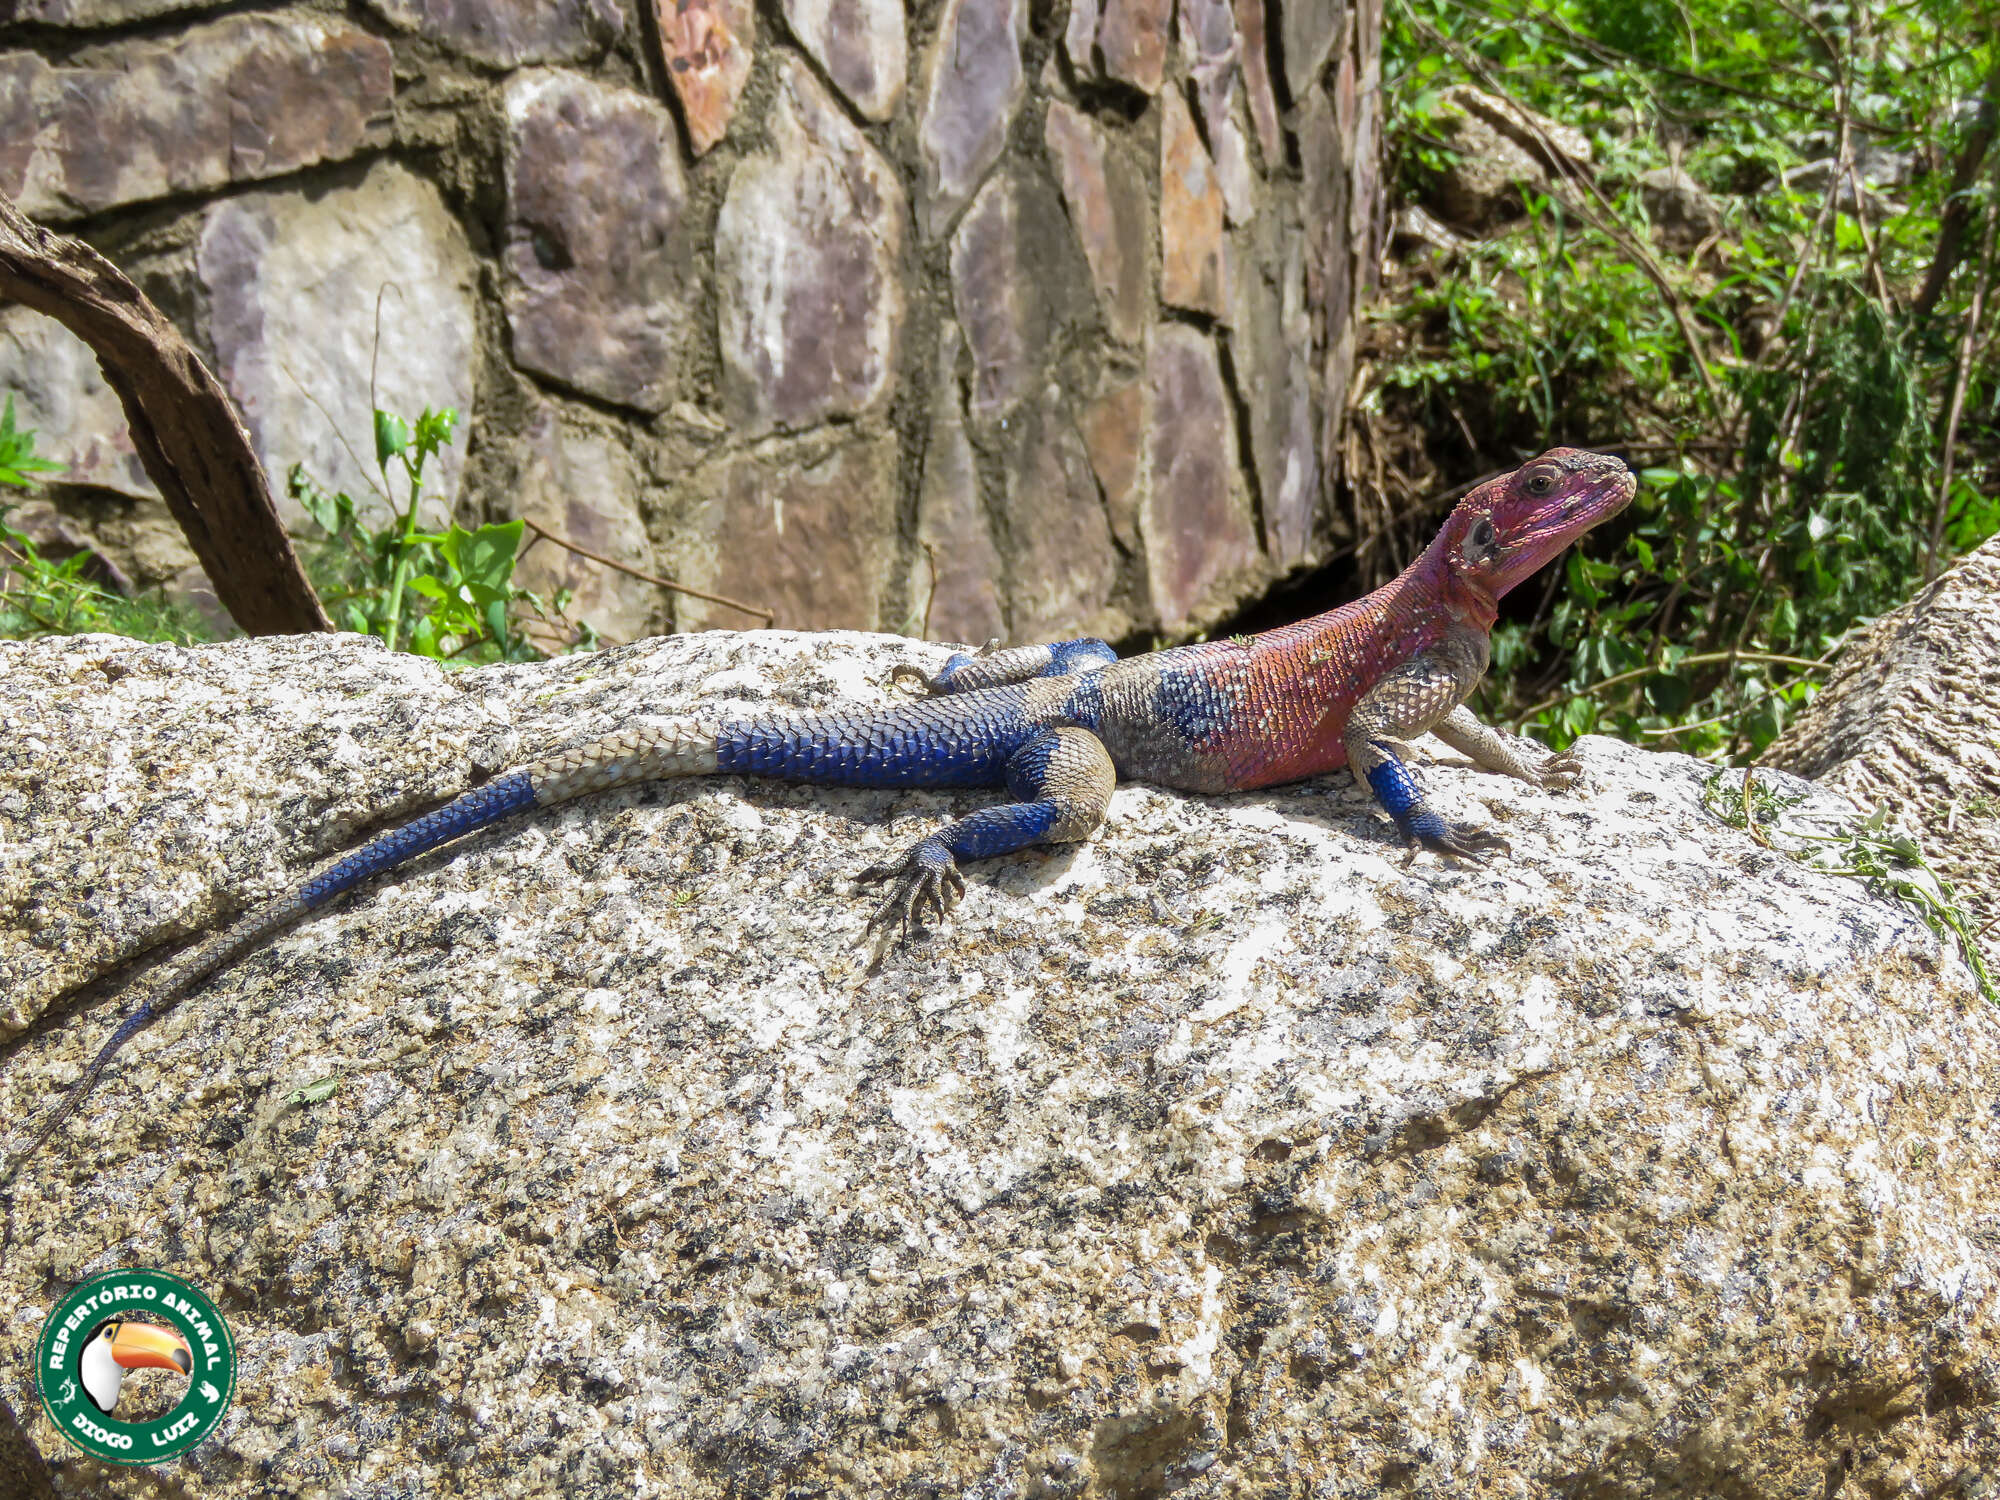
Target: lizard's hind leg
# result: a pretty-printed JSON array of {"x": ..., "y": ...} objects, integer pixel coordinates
[
  {"x": 1063, "y": 780},
  {"x": 968, "y": 671}
]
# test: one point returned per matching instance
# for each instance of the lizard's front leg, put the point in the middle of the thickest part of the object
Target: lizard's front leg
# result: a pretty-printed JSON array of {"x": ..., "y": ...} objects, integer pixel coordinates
[
  {"x": 1417, "y": 697},
  {"x": 1514, "y": 757},
  {"x": 1063, "y": 780}
]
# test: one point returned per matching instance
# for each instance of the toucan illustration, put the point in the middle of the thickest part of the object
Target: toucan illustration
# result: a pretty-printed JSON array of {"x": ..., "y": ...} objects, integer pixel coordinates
[{"x": 121, "y": 1345}]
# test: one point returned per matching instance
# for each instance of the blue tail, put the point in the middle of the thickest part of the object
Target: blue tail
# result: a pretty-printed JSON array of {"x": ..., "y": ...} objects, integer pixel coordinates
[{"x": 498, "y": 799}]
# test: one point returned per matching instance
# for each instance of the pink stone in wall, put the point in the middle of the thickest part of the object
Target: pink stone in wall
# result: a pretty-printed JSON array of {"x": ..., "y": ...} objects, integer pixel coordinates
[
  {"x": 1271, "y": 333},
  {"x": 973, "y": 84},
  {"x": 861, "y": 45},
  {"x": 509, "y": 33},
  {"x": 1107, "y": 209},
  {"x": 992, "y": 298},
  {"x": 1057, "y": 534},
  {"x": 1195, "y": 520},
  {"x": 956, "y": 587},
  {"x": 1254, "y": 54},
  {"x": 1080, "y": 36},
  {"x": 581, "y": 483},
  {"x": 1209, "y": 42},
  {"x": 1307, "y": 32},
  {"x": 1114, "y": 431},
  {"x": 1133, "y": 39},
  {"x": 19, "y": 72},
  {"x": 596, "y": 284},
  {"x": 706, "y": 48},
  {"x": 795, "y": 529},
  {"x": 1194, "y": 256},
  {"x": 808, "y": 266},
  {"x": 247, "y": 97}
]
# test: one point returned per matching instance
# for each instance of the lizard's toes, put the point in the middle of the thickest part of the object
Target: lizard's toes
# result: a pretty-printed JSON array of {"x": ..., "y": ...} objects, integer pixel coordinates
[
  {"x": 903, "y": 674},
  {"x": 927, "y": 886},
  {"x": 1561, "y": 772},
  {"x": 1463, "y": 841}
]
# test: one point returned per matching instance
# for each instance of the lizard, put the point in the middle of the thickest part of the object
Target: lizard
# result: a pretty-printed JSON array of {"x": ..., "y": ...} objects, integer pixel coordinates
[{"x": 1058, "y": 724}]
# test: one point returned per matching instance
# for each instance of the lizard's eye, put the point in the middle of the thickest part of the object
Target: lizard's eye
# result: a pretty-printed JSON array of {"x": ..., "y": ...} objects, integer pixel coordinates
[{"x": 1541, "y": 483}]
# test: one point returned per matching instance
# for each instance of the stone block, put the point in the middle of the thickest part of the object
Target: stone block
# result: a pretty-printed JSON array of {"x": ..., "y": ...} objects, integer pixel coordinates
[
  {"x": 802, "y": 529},
  {"x": 1194, "y": 255},
  {"x": 706, "y": 48},
  {"x": 861, "y": 45},
  {"x": 582, "y": 485},
  {"x": 102, "y": 12},
  {"x": 1253, "y": 52},
  {"x": 60, "y": 392},
  {"x": 973, "y": 84},
  {"x": 999, "y": 307},
  {"x": 1114, "y": 432},
  {"x": 1272, "y": 335},
  {"x": 1307, "y": 30},
  {"x": 240, "y": 99},
  {"x": 808, "y": 264},
  {"x": 1062, "y": 563},
  {"x": 1106, "y": 200},
  {"x": 1210, "y": 44},
  {"x": 1080, "y": 36},
  {"x": 956, "y": 588},
  {"x": 292, "y": 283},
  {"x": 20, "y": 72},
  {"x": 596, "y": 281},
  {"x": 1132, "y": 39},
  {"x": 1195, "y": 521},
  {"x": 510, "y": 33}
]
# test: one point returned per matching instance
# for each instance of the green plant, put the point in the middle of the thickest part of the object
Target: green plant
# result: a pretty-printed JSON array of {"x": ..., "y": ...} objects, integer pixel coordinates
[
  {"x": 43, "y": 596},
  {"x": 17, "y": 452},
  {"x": 1784, "y": 384},
  {"x": 440, "y": 594},
  {"x": 1890, "y": 861}
]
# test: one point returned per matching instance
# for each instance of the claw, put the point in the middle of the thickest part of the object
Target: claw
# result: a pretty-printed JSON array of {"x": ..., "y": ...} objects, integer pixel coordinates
[
  {"x": 927, "y": 886},
  {"x": 1561, "y": 772},
  {"x": 904, "y": 672},
  {"x": 1463, "y": 841}
]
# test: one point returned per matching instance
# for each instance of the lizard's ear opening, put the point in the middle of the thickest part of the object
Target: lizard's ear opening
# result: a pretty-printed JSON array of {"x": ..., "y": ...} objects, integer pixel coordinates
[{"x": 1481, "y": 543}]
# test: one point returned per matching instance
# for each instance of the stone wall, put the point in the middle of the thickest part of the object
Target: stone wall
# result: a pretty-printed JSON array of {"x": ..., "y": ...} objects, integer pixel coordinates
[{"x": 995, "y": 317}]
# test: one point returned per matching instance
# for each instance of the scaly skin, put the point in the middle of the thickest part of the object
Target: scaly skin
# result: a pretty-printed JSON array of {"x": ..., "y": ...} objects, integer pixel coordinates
[{"x": 1058, "y": 725}]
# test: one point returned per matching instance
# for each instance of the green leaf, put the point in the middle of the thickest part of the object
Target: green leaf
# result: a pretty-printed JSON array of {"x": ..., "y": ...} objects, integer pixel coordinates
[
  {"x": 429, "y": 586},
  {"x": 392, "y": 435},
  {"x": 486, "y": 556},
  {"x": 434, "y": 429},
  {"x": 17, "y": 452}
]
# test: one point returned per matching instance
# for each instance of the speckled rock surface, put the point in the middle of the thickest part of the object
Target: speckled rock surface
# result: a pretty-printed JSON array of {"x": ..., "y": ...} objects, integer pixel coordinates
[
  {"x": 1227, "y": 1154},
  {"x": 1912, "y": 717}
]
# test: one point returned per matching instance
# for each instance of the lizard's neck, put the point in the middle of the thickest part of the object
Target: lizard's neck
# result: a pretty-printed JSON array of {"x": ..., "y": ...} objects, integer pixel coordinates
[{"x": 1426, "y": 593}]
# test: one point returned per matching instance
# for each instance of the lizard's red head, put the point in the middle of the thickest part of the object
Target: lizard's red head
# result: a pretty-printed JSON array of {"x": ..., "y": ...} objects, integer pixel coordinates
[{"x": 1508, "y": 527}]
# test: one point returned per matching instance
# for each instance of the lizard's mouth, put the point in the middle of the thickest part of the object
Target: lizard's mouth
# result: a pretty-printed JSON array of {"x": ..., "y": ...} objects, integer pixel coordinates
[{"x": 1603, "y": 498}]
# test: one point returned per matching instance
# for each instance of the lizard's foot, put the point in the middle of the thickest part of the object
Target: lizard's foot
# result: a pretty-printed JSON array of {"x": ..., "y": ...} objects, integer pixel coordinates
[
  {"x": 924, "y": 682},
  {"x": 1458, "y": 840},
  {"x": 927, "y": 884},
  {"x": 1560, "y": 772}
]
